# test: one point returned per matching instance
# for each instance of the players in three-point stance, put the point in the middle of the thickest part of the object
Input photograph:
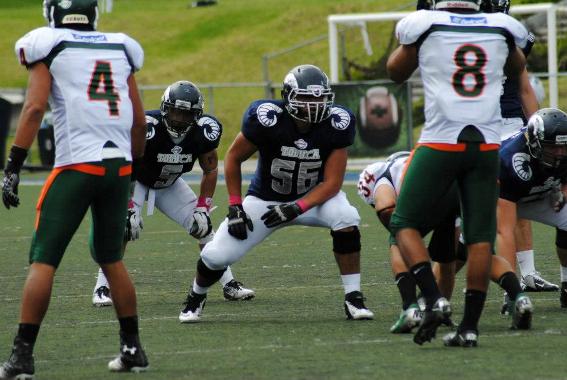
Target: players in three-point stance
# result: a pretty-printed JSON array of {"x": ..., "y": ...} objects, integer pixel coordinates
[
  {"x": 88, "y": 79},
  {"x": 301, "y": 141},
  {"x": 462, "y": 56},
  {"x": 178, "y": 134}
]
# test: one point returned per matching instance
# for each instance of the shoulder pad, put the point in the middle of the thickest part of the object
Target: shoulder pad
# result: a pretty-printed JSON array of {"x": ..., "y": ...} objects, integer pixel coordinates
[
  {"x": 341, "y": 118},
  {"x": 514, "y": 27},
  {"x": 411, "y": 27},
  {"x": 212, "y": 128},
  {"x": 134, "y": 51},
  {"x": 36, "y": 45},
  {"x": 267, "y": 113}
]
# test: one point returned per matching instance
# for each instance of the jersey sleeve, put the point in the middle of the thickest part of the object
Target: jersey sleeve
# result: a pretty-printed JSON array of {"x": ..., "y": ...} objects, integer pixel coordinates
[
  {"x": 411, "y": 27},
  {"x": 36, "y": 45},
  {"x": 211, "y": 130},
  {"x": 343, "y": 123},
  {"x": 134, "y": 52},
  {"x": 517, "y": 30},
  {"x": 258, "y": 119}
]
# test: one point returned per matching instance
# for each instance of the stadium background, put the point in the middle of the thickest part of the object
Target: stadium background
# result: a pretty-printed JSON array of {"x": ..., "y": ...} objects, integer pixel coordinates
[{"x": 295, "y": 328}]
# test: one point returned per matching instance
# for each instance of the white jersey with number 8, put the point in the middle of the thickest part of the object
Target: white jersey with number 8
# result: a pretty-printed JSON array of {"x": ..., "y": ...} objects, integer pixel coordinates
[{"x": 461, "y": 57}]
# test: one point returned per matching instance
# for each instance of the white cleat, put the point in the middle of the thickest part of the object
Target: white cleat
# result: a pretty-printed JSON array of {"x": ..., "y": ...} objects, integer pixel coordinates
[
  {"x": 101, "y": 297},
  {"x": 194, "y": 305},
  {"x": 235, "y": 290},
  {"x": 354, "y": 307}
]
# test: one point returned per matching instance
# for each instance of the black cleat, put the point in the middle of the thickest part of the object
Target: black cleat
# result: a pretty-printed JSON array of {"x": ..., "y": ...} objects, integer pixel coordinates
[
  {"x": 563, "y": 296},
  {"x": 522, "y": 313},
  {"x": 132, "y": 357},
  {"x": 467, "y": 338},
  {"x": 431, "y": 320},
  {"x": 20, "y": 365}
]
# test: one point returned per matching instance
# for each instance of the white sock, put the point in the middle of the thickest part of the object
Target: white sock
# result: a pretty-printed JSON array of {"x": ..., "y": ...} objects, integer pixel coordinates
[
  {"x": 563, "y": 274},
  {"x": 226, "y": 277},
  {"x": 351, "y": 282},
  {"x": 526, "y": 262},
  {"x": 199, "y": 289},
  {"x": 101, "y": 280}
]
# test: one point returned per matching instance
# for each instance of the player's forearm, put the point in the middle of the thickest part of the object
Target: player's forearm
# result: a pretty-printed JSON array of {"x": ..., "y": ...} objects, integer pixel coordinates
[
  {"x": 527, "y": 95},
  {"x": 208, "y": 184},
  {"x": 233, "y": 177},
  {"x": 28, "y": 125},
  {"x": 402, "y": 63},
  {"x": 321, "y": 193},
  {"x": 138, "y": 132}
]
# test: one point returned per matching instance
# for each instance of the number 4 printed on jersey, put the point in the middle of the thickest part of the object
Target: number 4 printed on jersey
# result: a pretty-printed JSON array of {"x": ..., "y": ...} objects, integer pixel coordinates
[{"x": 101, "y": 87}]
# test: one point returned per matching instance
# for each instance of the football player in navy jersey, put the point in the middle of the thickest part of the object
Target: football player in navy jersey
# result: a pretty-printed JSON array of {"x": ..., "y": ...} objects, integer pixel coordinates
[
  {"x": 517, "y": 103},
  {"x": 178, "y": 135},
  {"x": 533, "y": 173},
  {"x": 301, "y": 143}
]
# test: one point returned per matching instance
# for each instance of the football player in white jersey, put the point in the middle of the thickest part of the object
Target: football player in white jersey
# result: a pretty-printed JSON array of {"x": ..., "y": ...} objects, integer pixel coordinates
[
  {"x": 178, "y": 135},
  {"x": 88, "y": 78},
  {"x": 463, "y": 56}
]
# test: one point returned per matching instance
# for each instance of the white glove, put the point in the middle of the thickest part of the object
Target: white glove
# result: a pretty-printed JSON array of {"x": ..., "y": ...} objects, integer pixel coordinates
[
  {"x": 134, "y": 224},
  {"x": 557, "y": 199},
  {"x": 202, "y": 225}
]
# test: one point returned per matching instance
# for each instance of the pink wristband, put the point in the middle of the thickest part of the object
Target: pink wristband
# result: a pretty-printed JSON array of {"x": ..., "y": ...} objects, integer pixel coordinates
[
  {"x": 302, "y": 205},
  {"x": 234, "y": 200},
  {"x": 206, "y": 202}
]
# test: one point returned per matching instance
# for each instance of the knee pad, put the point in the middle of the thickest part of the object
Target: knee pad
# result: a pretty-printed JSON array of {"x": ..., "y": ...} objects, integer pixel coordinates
[
  {"x": 561, "y": 238},
  {"x": 211, "y": 275},
  {"x": 346, "y": 242}
]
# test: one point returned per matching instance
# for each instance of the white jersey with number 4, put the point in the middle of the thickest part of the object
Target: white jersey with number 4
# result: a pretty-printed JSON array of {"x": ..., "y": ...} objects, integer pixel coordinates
[
  {"x": 89, "y": 90},
  {"x": 461, "y": 58}
]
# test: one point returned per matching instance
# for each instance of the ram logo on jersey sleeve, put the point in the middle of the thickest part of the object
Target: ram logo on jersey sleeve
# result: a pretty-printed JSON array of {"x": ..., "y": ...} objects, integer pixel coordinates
[
  {"x": 521, "y": 165},
  {"x": 211, "y": 129},
  {"x": 340, "y": 119},
  {"x": 268, "y": 114}
]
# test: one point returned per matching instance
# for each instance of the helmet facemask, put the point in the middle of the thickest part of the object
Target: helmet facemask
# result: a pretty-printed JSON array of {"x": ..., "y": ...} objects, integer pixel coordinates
[
  {"x": 311, "y": 105},
  {"x": 180, "y": 117},
  {"x": 554, "y": 158}
]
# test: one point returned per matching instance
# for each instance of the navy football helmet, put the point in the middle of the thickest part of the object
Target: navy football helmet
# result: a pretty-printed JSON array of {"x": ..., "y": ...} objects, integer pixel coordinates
[
  {"x": 494, "y": 6},
  {"x": 307, "y": 94},
  {"x": 547, "y": 139},
  {"x": 456, "y": 4},
  {"x": 74, "y": 14},
  {"x": 181, "y": 107}
]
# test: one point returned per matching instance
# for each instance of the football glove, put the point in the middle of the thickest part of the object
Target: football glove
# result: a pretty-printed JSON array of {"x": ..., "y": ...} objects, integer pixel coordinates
[
  {"x": 279, "y": 214},
  {"x": 202, "y": 225},
  {"x": 134, "y": 224},
  {"x": 557, "y": 199},
  {"x": 10, "y": 189},
  {"x": 238, "y": 220}
]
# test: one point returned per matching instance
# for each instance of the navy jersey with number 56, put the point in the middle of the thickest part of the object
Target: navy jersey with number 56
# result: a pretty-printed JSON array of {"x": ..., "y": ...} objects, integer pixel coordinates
[
  {"x": 291, "y": 163},
  {"x": 165, "y": 160}
]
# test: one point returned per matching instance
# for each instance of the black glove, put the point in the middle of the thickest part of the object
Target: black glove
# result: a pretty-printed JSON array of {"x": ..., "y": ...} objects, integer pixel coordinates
[
  {"x": 279, "y": 214},
  {"x": 10, "y": 189},
  {"x": 238, "y": 220},
  {"x": 12, "y": 176}
]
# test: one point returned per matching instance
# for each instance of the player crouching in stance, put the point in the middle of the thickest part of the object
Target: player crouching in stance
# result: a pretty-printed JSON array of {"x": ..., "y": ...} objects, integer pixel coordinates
[
  {"x": 379, "y": 185},
  {"x": 301, "y": 141},
  {"x": 533, "y": 176},
  {"x": 177, "y": 133}
]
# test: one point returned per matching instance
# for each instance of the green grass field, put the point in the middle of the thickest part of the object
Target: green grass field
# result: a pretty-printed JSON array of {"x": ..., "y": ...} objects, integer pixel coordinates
[{"x": 294, "y": 329}]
